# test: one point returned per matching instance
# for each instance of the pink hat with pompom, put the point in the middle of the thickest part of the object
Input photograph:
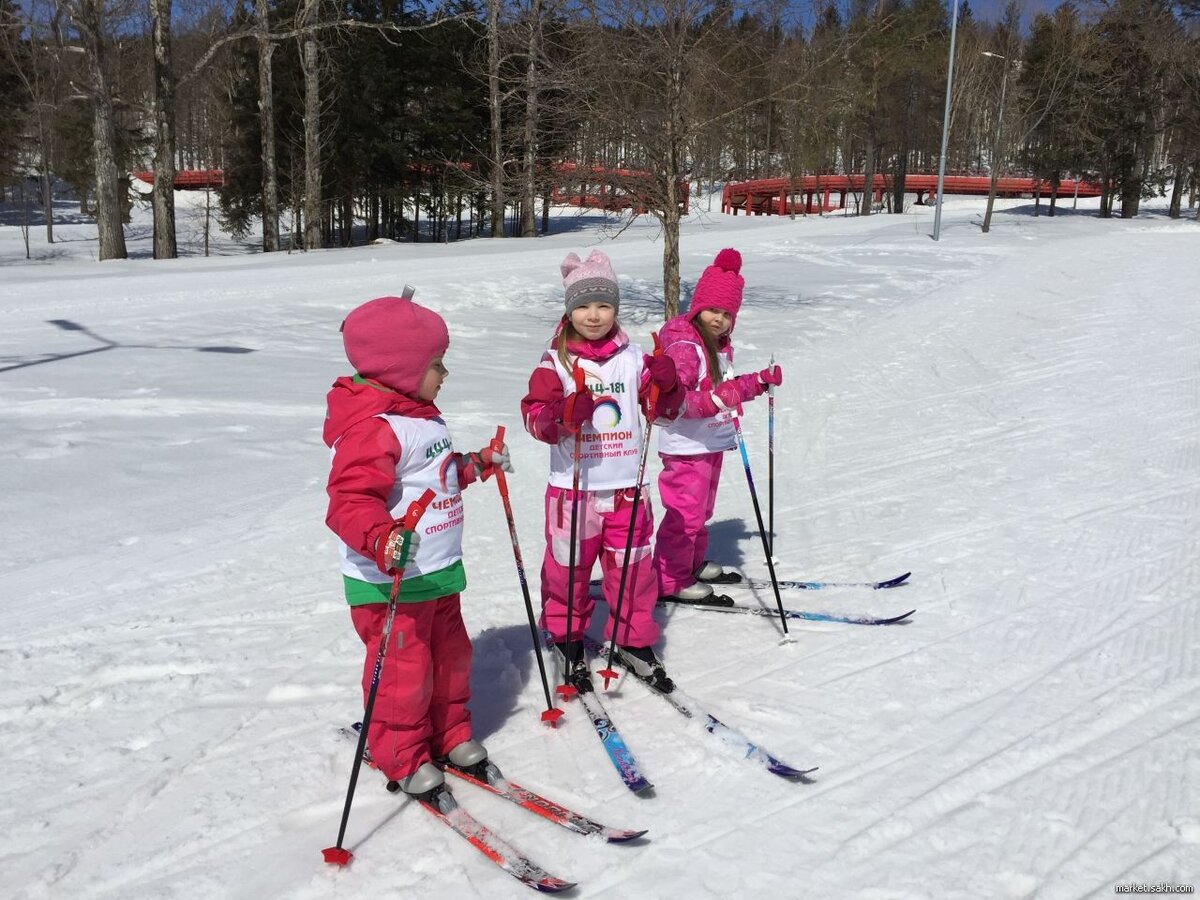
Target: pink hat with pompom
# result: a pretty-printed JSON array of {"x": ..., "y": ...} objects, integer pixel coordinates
[
  {"x": 394, "y": 341},
  {"x": 720, "y": 286},
  {"x": 586, "y": 281}
]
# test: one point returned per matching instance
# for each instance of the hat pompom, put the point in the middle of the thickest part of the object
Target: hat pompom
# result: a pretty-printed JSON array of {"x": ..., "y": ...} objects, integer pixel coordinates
[
  {"x": 729, "y": 260},
  {"x": 570, "y": 264}
]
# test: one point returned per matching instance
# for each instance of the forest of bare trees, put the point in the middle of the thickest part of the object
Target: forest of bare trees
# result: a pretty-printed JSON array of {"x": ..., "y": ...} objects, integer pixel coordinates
[{"x": 340, "y": 123}]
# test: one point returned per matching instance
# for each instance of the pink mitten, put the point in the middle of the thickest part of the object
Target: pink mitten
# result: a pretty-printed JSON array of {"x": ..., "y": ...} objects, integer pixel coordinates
[
  {"x": 662, "y": 371},
  {"x": 738, "y": 390},
  {"x": 772, "y": 375},
  {"x": 578, "y": 409}
]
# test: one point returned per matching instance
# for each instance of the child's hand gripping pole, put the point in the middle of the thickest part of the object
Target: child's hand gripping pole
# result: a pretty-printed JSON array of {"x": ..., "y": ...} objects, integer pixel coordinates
[
  {"x": 608, "y": 673},
  {"x": 337, "y": 854},
  {"x": 551, "y": 714},
  {"x": 567, "y": 690}
]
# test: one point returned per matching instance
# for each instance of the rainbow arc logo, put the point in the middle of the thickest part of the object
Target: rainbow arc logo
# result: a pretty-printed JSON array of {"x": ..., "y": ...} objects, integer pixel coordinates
[{"x": 607, "y": 413}]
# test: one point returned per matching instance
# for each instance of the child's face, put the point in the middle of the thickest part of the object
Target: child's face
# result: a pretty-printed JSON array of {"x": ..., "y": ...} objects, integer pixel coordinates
[
  {"x": 432, "y": 382},
  {"x": 714, "y": 321},
  {"x": 594, "y": 320}
]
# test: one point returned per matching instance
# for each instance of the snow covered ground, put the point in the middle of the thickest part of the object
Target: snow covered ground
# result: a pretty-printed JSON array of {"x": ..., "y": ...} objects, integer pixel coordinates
[{"x": 1015, "y": 417}]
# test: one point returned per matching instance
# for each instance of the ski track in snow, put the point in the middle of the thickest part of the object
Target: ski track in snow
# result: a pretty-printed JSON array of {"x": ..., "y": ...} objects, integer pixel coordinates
[{"x": 1013, "y": 417}]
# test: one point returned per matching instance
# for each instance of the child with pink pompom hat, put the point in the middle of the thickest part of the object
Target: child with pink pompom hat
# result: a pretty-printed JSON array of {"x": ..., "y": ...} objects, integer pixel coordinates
[{"x": 692, "y": 446}]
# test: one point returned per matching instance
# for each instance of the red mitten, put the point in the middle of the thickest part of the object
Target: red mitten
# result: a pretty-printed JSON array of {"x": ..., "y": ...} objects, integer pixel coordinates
[
  {"x": 662, "y": 371},
  {"x": 578, "y": 409}
]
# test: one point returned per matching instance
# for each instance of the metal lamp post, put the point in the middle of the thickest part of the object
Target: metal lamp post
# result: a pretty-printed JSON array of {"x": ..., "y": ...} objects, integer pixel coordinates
[{"x": 937, "y": 215}]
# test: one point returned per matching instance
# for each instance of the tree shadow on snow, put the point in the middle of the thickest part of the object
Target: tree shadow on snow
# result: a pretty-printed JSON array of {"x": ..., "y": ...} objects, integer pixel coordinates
[{"x": 105, "y": 345}]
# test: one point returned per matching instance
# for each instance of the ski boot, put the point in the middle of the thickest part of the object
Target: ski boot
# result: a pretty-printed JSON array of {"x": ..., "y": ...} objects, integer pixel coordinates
[
  {"x": 423, "y": 785},
  {"x": 712, "y": 573},
  {"x": 471, "y": 758},
  {"x": 643, "y": 663},
  {"x": 573, "y": 665}
]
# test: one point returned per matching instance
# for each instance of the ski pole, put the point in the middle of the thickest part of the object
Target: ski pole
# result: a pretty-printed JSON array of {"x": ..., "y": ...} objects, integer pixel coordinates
[
  {"x": 771, "y": 462},
  {"x": 567, "y": 690},
  {"x": 608, "y": 672},
  {"x": 737, "y": 430},
  {"x": 337, "y": 854},
  {"x": 551, "y": 714}
]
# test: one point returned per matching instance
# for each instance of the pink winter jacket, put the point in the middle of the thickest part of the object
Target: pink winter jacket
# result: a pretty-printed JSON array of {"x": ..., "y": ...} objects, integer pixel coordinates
[
  {"x": 682, "y": 342},
  {"x": 542, "y": 407}
]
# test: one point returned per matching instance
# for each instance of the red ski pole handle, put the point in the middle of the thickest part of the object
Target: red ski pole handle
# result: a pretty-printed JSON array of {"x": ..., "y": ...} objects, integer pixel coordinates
[
  {"x": 496, "y": 445},
  {"x": 655, "y": 390},
  {"x": 578, "y": 374},
  {"x": 416, "y": 509}
]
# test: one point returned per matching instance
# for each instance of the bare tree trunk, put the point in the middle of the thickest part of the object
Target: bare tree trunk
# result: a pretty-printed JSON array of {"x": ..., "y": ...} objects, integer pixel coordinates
[
  {"x": 676, "y": 126},
  {"x": 164, "y": 132},
  {"x": 91, "y": 25},
  {"x": 529, "y": 202},
  {"x": 24, "y": 215},
  {"x": 868, "y": 203},
  {"x": 1177, "y": 190},
  {"x": 312, "y": 137},
  {"x": 991, "y": 201},
  {"x": 266, "y": 122},
  {"x": 47, "y": 197},
  {"x": 494, "y": 100}
]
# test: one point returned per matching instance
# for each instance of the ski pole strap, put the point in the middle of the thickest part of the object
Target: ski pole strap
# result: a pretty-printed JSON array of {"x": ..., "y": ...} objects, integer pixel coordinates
[
  {"x": 655, "y": 390},
  {"x": 408, "y": 525},
  {"x": 496, "y": 445}
]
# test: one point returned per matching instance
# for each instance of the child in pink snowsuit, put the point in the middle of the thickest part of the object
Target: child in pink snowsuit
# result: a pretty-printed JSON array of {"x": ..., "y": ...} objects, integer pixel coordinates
[
  {"x": 619, "y": 377},
  {"x": 388, "y": 443},
  {"x": 691, "y": 446}
]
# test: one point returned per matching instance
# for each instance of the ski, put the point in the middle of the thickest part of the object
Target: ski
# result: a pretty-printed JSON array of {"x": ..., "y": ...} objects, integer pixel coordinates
[
  {"x": 614, "y": 745},
  {"x": 731, "y": 737},
  {"x": 445, "y": 807},
  {"x": 736, "y": 579},
  {"x": 721, "y": 603},
  {"x": 500, "y": 786}
]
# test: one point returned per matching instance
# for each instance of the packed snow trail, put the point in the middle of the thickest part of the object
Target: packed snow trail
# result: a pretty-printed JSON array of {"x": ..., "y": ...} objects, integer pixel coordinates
[{"x": 1012, "y": 416}]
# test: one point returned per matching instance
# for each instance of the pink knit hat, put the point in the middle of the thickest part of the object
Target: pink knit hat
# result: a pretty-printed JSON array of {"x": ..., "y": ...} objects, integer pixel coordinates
[
  {"x": 720, "y": 286},
  {"x": 589, "y": 280},
  {"x": 393, "y": 340}
]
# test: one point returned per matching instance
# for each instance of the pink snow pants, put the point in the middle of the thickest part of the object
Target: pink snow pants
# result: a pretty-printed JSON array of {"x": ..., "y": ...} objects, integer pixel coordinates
[
  {"x": 421, "y": 705},
  {"x": 687, "y": 487},
  {"x": 603, "y": 529}
]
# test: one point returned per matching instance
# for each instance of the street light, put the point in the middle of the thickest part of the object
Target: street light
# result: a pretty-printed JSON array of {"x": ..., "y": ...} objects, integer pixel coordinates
[
  {"x": 987, "y": 216},
  {"x": 937, "y": 215}
]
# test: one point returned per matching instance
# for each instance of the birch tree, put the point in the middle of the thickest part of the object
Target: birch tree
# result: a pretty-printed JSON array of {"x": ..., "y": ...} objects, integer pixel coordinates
[
  {"x": 164, "y": 131},
  {"x": 91, "y": 20}
]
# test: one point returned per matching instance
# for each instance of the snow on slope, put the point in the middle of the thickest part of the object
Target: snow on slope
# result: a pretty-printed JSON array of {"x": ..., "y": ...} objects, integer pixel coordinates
[{"x": 1012, "y": 416}]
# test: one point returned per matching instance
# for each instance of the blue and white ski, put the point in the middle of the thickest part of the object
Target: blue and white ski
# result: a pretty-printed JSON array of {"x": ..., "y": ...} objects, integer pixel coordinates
[
  {"x": 731, "y": 737},
  {"x": 721, "y": 603},
  {"x": 736, "y": 579},
  {"x": 614, "y": 745}
]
